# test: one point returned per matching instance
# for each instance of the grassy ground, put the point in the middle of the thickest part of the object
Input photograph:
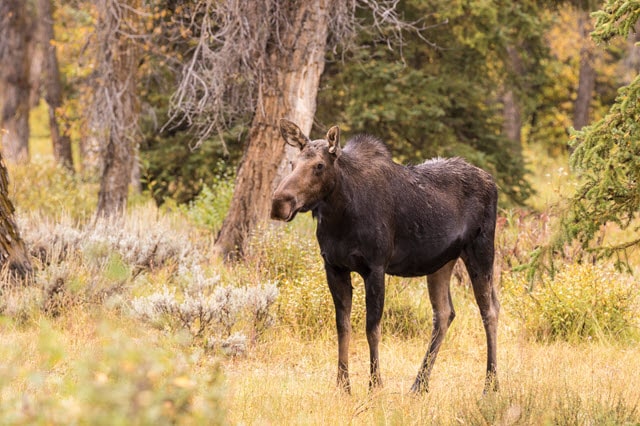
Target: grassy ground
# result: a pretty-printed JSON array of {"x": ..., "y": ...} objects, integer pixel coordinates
[{"x": 291, "y": 382}]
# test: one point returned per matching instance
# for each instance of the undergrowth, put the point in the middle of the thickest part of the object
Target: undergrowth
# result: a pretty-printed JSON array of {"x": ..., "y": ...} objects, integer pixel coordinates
[{"x": 581, "y": 301}]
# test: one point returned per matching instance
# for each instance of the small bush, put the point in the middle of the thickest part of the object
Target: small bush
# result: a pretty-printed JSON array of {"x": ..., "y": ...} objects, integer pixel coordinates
[
  {"x": 212, "y": 203},
  {"x": 407, "y": 311},
  {"x": 144, "y": 240},
  {"x": 220, "y": 316},
  {"x": 580, "y": 302}
]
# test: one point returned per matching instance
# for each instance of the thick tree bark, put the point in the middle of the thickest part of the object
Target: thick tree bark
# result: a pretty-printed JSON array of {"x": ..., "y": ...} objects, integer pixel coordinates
[
  {"x": 287, "y": 89},
  {"x": 53, "y": 87},
  {"x": 116, "y": 104},
  {"x": 587, "y": 75},
  {"x": 14, "y": 81},
  {"x": 13, "y": 254},
  {"x": 91, "y": 150}
]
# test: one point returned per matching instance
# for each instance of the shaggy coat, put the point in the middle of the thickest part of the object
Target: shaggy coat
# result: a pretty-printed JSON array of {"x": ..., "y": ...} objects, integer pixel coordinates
[{"x": 375, "y": 216}]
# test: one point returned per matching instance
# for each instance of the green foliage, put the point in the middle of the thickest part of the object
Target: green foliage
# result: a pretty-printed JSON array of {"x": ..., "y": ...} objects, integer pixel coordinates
[
  {"x": 172, "y": 169},
  {"x": 579, "y": 302},
  {"x": 616, "y": 18},
  {"x": 210, "y": 206},
  {"x": 607, "y": 156}
]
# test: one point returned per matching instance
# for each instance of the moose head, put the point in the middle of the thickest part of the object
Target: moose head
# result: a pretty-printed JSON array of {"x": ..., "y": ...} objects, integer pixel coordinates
[{"x": 313, "y": 176}]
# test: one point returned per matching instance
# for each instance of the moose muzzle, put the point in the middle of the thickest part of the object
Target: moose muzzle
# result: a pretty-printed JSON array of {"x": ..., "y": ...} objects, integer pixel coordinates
[{"x": 283, "y": 207}]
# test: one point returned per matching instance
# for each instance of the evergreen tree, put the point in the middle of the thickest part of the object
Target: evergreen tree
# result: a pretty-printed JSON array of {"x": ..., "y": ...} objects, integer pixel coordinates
[{"x": 607, "y": 156}]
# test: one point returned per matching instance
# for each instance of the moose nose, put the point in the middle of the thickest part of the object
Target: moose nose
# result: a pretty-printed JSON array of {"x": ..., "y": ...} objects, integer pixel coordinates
[{"x": 282, "y": 206}]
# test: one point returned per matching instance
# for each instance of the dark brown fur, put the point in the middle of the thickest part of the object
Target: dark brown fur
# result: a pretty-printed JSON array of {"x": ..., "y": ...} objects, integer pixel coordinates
[{"x": 376, "y": 216}]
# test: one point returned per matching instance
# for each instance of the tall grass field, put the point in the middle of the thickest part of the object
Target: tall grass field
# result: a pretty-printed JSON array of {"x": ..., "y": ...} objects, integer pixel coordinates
[{"x": 135, "y": 322}]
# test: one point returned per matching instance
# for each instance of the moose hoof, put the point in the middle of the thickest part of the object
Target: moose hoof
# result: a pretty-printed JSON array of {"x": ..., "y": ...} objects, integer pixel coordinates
[
  {"x": 375, "y": 384},
  {"x": 344, "y": 386},
  {"x": 491, "y": 384},
  {"x": 419, "y": 388}
]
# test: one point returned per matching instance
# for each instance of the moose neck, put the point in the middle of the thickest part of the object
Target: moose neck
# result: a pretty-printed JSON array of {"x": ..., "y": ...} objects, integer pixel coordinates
[{"x": 335, "y": 209}]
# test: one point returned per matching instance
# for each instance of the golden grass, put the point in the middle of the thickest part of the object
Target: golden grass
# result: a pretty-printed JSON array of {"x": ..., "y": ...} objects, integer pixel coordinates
[{"x": 287, "y": 381}]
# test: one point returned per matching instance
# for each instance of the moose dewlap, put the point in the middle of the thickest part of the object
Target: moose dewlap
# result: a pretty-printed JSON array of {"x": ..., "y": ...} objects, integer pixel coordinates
[{"x": 376, "y": 216}]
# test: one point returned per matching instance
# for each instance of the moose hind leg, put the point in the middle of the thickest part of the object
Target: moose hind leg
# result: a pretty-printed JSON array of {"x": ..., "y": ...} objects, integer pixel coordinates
[
  {"x": 479, "y": 263},
  {"x": 443, "y": 315}
]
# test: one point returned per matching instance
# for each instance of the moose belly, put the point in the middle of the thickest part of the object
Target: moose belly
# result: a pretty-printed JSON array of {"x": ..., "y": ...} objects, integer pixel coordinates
[{"x": 417, "y": 261}]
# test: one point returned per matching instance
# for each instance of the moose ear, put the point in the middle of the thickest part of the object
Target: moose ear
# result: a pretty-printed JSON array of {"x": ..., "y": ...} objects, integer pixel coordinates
[
  {"x": 292, "y": 134},
  {"x": 333, "y": 137}
]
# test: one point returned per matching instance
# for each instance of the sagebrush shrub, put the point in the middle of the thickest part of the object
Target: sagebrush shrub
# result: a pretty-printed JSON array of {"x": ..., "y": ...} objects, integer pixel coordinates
[
  {"x": 220, "y": 315},
  {"x": 143, "y": 239}
]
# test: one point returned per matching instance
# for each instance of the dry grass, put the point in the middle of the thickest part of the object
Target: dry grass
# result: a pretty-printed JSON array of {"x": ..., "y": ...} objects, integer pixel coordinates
[{"x": 291, "y": 382}]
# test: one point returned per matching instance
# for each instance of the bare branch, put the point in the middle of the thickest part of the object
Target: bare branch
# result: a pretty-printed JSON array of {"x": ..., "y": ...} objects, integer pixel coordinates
[{"x": 231, "y": 42}]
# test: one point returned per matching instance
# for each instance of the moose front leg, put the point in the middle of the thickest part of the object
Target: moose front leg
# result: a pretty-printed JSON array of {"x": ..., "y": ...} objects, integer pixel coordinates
[
  {"x": 342, "y": 293},
  {"x": 374, "y": 294}
]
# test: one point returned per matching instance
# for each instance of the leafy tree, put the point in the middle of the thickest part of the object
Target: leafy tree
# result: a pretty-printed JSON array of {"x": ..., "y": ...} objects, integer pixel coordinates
[
  {"x": 571, "y": 58},
  {"x": 607, "y": 155}
]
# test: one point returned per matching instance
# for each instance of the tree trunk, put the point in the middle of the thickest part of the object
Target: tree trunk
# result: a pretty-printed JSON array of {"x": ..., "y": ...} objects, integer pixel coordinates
[
  {"x": 512, "y": 116},
  {"x": 53, "y": 87},
  {"x": 587, "y": 76},
  {"x": 116, "y": 104},
  {"x": 512, "y": 125},
  {"x": 14, "y": 81},
  {"x": 36, "y": 59},
  {"x": 91, "y": 149},
  {"x": 287, "y": 89},
  {"x": 13, "y": 254}
]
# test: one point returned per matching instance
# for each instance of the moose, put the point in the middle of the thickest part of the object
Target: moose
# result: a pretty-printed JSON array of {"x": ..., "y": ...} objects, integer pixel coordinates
[{"x": 375, "y": 216}]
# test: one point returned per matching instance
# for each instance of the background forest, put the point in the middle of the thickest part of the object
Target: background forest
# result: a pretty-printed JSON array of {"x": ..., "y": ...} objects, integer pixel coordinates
[{"x": 142, "y": 283}]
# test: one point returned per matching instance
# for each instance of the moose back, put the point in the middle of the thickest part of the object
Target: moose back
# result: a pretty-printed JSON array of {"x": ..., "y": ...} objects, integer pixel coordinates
[{"x": 375, "y": 216}]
